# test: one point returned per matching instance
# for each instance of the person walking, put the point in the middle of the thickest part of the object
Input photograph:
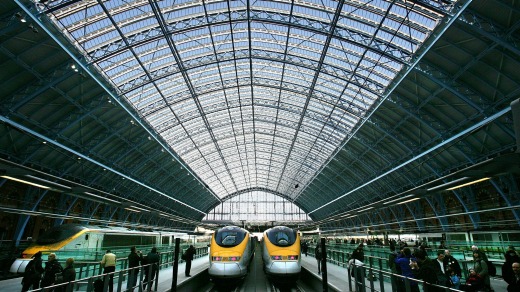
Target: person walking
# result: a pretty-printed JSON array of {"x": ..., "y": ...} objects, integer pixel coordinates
[
  {"x": 33, "y": 273},
  {"x": 190, "y": 252},
  {"x": 134, "y": 260},
  {"x": 52, "y": 267},
  {"x": 153, "y": 261},
  {"x": 108, "y": 262}
]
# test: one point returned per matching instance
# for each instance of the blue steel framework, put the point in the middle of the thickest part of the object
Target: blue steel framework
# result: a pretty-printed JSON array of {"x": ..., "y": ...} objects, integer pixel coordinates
[{"x": 337, "y": 105}]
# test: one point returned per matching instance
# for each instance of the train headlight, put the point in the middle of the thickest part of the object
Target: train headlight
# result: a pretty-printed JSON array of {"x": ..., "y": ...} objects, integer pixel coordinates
[
  {"x": 234, "y": 259},
  {"x": 216, "y": 259},
  {"x": 284, "y": 258}
]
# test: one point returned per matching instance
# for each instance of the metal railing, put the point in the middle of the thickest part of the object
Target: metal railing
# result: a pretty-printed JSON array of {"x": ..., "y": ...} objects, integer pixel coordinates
[{"x": 90, "y": 274}]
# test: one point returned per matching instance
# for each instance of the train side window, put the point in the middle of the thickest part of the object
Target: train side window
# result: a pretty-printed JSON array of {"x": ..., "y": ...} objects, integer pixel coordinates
[{"x": 86, "y": 236}]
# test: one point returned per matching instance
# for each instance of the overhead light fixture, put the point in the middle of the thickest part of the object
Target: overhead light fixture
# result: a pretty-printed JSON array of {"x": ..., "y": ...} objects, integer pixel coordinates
[
  {"x": 133, "y": 210},
  {"x": 25, "y": 182},
  {"x": 407, "y": 201},
  {"x": 365, "y": 209},
  {"x": 398, "y": 199},
  {"x": 100, "y": 197},
  {"x": 20, "y": 17},
  {"x": 468, "y": 183},
  {"x": 47, "y": 181},
  {"x": 444, "y": 186},
  {"x": 33, "y": 28}
]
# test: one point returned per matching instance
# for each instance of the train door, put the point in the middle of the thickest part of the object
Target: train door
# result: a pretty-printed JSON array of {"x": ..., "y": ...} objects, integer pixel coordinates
[{"x": 86, "y": 239}]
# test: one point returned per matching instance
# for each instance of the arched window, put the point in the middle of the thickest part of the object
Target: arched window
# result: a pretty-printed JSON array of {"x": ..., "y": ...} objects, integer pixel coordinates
[{"x": 257, "y": 206}]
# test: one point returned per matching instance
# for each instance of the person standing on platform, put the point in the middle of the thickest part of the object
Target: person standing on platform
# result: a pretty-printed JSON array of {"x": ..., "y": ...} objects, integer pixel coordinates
[
  {"x": 440, "y": 270},
  {"x": 481, "y": 254},
  {"x": 190, "y": 252},
  {"x": 305, "y": 247},
  {"x": 318, "y": 256},
  {"x": 52, "y": 267},
  {"x": 404, "y": 260},
  {"x": 424, "y": 269},
  {"x": 108, "y": 262},
  {"x": 394, "y": 268},
  {"x": 481, "y": 268},
  {"x": 33, "y": 273},
  {"x": 511, "y": 257},
  {"x": 69, "y": 275},
  {"x": 452, "y": 263},
  {"x": 514, "y": 283},
  {"x": 134, "y": 260},
  {"x": 153, "y": 261}
]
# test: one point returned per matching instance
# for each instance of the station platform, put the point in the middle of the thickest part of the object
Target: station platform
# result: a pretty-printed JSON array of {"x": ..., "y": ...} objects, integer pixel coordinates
[{"x": 337, "y": 277}]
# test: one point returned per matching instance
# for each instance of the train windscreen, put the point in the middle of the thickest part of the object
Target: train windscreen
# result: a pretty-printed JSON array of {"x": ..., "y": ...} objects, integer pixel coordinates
[
  {"x": 281, "y": 236},
  {"x": 59, "y": 233},
  {"x": 230, "y": 236}
]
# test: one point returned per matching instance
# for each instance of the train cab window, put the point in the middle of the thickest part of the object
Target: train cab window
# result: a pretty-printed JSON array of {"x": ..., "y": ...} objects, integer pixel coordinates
[
  {"x": 282, "y": 236},
  {"x": 229, "y": 237}
]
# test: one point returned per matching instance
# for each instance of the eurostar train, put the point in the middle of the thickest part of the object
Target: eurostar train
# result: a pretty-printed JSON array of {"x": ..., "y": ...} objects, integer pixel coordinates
[
  {"x": 230, "y": 253},
  {"x": 281, "y": 253},
  {"x": 89, "y": 243}
]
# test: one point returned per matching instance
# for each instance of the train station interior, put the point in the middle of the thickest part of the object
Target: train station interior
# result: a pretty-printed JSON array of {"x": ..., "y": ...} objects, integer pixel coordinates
[{"x": 338, "y": 118}]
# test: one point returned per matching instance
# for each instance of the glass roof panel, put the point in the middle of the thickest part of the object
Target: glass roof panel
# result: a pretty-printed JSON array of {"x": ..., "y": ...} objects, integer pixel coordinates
[{"x": 244, "y": 97}]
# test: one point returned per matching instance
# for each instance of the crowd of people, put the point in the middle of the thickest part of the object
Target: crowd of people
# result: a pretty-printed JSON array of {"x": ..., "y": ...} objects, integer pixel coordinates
[
  {"x": 40, "y": 275},
  {"x": 412, "y": 265},
  {"x": 445, "y": 271},
  {"x": 36, "y": 276}
]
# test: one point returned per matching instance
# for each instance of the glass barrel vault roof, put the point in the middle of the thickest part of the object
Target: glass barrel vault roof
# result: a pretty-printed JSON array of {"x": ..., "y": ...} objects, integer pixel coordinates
[{"x": 250, "y": 94}]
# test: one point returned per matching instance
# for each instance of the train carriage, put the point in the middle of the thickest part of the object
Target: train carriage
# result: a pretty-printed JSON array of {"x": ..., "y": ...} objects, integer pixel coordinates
[{"x": 88, "y": 243}]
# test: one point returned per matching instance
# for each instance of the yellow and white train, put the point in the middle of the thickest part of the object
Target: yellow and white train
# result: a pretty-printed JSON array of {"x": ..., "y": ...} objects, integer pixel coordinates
[
  {"x": 89, "y": 243},
  {"x": 281, "y": 252},
  {"x": 231, "y": 251}
]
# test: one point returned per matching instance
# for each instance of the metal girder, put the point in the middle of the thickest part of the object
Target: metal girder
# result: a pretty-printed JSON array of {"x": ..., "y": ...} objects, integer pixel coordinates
[
  {"x": 491, "y": 30},
  {"x": 330, "y": 69},
  {"x": 392, "y": 52}
]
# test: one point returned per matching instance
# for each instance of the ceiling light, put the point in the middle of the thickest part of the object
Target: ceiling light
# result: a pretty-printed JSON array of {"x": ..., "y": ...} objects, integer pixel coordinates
[
  {"x": 468, "y": 183},
  {"x": 25, "y": 182},
  {"x": 395, "y": 200},
  {"x": 130, "y": 209},
  {"x": 365, "y": 209},
  {"x": 47, "y": 181},
  {"x": 407, "y": 201},
  {"x": 20, "y": 17},
  {"x": 33, "y": 28}
]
